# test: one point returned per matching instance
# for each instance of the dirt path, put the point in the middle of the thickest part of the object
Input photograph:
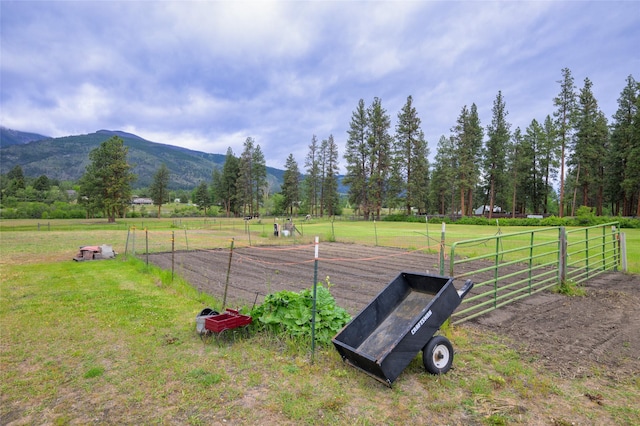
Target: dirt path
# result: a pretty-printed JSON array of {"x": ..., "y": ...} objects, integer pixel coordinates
[{"x": 569, "y": 335}]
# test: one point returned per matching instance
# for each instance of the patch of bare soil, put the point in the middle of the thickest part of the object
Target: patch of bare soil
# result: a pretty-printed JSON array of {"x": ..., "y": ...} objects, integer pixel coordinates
[
  {"x": 576, "y": 335},
  {"x": 569, "y": 335}
]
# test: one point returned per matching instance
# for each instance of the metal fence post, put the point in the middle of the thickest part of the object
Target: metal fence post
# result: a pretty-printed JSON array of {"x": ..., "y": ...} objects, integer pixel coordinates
[
  {"x": 586, "y": 256},
  {"x": 623, "y": 251},
  {"x": 562, "y": 255},
  {"x": 313, "y": 309},
  {"x": 375, "y": 231},
  {"x": 616, "y": 251},
  {"x": 442, "y": 253},
  {"x": 126, "y": 246}
]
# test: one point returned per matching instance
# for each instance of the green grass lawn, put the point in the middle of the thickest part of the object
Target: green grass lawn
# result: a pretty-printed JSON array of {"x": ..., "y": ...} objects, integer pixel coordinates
[{"x": 115, "y": 342}]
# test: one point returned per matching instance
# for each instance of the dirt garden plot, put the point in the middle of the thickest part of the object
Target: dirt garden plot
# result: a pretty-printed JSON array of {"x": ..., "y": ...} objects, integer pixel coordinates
[{"x": 573, "y": 336}]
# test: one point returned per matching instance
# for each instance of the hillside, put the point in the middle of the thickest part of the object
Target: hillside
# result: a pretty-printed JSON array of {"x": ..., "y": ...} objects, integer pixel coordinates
[
  {"x": 66, "y": 159},
  {"x": 10, "y": 137}
]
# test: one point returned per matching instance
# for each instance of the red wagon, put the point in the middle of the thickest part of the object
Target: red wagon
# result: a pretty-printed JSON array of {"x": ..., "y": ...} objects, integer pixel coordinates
[{"x": 231, "y": 319}]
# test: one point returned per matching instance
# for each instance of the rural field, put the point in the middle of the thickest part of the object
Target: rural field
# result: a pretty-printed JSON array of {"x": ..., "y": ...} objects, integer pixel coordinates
[{"x": 114, "y": 342}]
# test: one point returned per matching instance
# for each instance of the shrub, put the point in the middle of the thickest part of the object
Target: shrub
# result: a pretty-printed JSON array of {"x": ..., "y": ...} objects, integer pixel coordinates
[{"x": 290, "y": 313}]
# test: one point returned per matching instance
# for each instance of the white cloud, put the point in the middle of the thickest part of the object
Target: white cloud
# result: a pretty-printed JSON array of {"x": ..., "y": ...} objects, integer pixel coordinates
[{"x": 206, "y": 75}]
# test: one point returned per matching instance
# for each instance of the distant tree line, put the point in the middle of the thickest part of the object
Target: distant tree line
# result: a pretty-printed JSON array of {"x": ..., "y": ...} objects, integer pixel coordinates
[{"x": 595, "y": 163}]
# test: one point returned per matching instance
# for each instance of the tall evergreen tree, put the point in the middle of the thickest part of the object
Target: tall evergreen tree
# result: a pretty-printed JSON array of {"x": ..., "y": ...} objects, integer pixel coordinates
[
  {"x": 411, "y": 158},
  {"x": 202, "y": 198},
  {"x": 495, "y": 154},
  {"x": 633, "y": 163},
  {"x": 244, "y": 184},
  {"x": 444, "y": 175},
  {"x": 312, "y": 178},
  {"x": 159, "y": 190},
  {"x": 259, "y": 174},
  {"x": 517, "y": 169},
  {"x": 590, "y": 148},
  {"x": 322, "y": 163},
  {"x": 330, "y": 174},
  {"x": 42, "y": 183},
  {"x": 252, "y": 178},
  {"x": 379, "y": 142},
  {"x": 15, "y": 181},
  {"x": 533, "y": 172},
  {"x": 549, "y": 156},
  {"x": 224, "y": 183},
  {"x": 565, "y": 103},
  {"x": 623, "y": 178},
  {"x": 291, "y": 184},
  {"x": 106, "y": 183},
  {"x": 467, "y": 137},
  {"x": 358, "y": 157}
]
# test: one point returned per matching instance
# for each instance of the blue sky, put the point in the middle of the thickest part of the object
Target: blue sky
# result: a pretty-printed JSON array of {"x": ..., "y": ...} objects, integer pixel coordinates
[{"x": 206, "y": 75}]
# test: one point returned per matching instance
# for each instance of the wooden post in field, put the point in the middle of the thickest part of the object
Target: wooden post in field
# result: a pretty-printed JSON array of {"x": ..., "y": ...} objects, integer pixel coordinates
[
  {"x": 173, "y": 253},
  {"x": 226, "y": 286},
  {"x": 146, "y": 239}
]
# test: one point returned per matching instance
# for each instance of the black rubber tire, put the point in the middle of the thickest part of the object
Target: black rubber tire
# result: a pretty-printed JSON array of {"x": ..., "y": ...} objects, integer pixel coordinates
[
  {"x": 207, "y": 311},
  {"x": 200, "y": 325},
  {"x": 437, "y": 355}
]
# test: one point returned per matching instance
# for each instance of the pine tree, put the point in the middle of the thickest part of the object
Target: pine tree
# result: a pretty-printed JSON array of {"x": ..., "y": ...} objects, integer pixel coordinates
[
  {"x": 106, "y": 183},
  {"x": 495, "y": 154},
  {"x": 224, "y": 183},
  {"x": 291, "y": 184},
  {"x": 549, "y": 156},
  {"x": 244, "y": 184},
  {"x": 623, "y": 176},
  {"x": 467, "y": 137},
  {"x": 202, "y": 197},
  {"x": 564, "y": 115},
  {"x": 443, "y": 176},
  {"x": 15, "y": 181},
  {"x": 379, "y": 143},
  {"x": 259, "y": 174},
  {"x": 517, "y": 169},
  {"x": 330, "y": 174},
  {"x": 411, "y": 159},
  {"x": 159, "y": 190},
  {"x": 590, "y": 148},
  {"x": 532, "y": 171},
  {"x": 322, "y": 164},
  {"x": 358, "y": 157},
  {"x": 312, "y": 179},
  {"x": 42, "y": 183}
]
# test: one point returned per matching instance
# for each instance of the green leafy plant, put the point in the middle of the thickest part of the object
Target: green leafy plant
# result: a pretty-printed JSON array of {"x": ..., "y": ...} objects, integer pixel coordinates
[{"x": 291, "y": 313}]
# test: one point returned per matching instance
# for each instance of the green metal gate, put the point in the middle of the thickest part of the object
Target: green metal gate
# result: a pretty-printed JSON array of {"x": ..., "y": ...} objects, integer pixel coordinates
[{"x": 509, "y": 267}]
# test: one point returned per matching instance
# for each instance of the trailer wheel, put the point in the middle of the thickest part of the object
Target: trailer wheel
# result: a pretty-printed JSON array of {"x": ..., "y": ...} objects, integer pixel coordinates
[
  {"x": 437, "y": 355},
  {"x": 207, "y": 311}
]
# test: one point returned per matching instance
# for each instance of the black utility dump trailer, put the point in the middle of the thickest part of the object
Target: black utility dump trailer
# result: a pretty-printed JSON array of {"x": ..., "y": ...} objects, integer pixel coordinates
[{"x": 384, "y": 338}]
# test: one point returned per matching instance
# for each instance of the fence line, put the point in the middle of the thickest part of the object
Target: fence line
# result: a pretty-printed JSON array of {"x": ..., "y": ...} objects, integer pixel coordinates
[
  {"x": 505, "y": 267},
  {"x": 551, "y": 256}
]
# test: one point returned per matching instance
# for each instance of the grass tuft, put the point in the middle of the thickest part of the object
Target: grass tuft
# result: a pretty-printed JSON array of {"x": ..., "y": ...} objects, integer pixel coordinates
[
  {"x": 93, "y": 372},
  {"x": 570, "y": 288}
]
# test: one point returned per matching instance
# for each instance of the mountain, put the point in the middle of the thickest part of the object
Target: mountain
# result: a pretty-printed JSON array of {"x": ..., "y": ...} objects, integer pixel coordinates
[
  {"x": 66, "y": 159},
  {"x": 10, "y": 137}
]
